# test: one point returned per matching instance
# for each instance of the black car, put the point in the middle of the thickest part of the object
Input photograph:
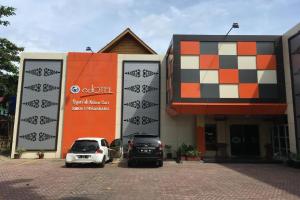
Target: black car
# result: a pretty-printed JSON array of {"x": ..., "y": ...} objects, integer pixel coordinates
[{"x": 143, "y": 148}]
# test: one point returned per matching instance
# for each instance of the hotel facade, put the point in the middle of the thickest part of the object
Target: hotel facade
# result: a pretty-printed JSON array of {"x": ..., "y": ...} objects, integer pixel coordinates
[{"x": 230, "y": 96}]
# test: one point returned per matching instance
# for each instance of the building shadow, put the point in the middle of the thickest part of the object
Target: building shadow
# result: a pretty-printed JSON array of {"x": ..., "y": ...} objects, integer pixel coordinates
[
  {"x": 276, "y": 175},
  {"x": 123, "y": 164},
  {"x": 19, "y": 189},
  {"x": 87, "y": 165}
]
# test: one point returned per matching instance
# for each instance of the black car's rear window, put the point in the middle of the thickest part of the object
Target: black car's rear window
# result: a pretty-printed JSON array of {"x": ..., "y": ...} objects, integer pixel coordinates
[
  {"x": 85, "y": 146},
  {"x": 146, "y": 139}
]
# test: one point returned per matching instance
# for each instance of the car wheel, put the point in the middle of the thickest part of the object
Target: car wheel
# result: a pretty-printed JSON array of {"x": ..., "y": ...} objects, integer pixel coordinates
[
  {"x": 102, "y": 164},
  {"x": 129, "y": 163},
  {"x": 68, "y": 165},
  {"x": 160, "y": 163}
]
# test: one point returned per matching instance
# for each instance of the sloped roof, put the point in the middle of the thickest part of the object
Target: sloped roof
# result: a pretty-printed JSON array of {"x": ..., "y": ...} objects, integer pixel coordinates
[{"x": 121, "y": 37}]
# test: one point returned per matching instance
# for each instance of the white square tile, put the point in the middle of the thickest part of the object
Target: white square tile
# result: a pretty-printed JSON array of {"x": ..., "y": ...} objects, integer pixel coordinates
[
  {"x": 227, "y": 48},
  {"x": 209, "y": 76},
  {"x": 229, "y": 91},
  {"x": 246, "y": 62},
  {"x": 266, "y": 76},
  {"x": 189, "y": 62}
]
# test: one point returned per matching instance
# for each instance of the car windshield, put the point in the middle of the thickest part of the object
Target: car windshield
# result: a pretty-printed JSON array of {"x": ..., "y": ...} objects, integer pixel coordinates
[
  {"x": 85, "y": 146},
  {"x": 146, "y": 139}
]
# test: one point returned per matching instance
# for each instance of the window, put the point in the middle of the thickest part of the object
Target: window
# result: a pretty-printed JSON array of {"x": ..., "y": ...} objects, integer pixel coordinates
[
  {"x": 294, "y": 51},
  {"x": 115, "y": 143},
  {"x": 84, "y": 146},
  {"x": 211, "y": 137},
  {"x": 280, "y": 141},
  {"x": 103, "y": 143}
]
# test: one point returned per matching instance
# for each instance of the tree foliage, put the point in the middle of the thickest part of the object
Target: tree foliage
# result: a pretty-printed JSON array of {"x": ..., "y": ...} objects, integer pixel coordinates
[
  {"x": 6, "y": 12},
  {"x": 9, "y": 57}
]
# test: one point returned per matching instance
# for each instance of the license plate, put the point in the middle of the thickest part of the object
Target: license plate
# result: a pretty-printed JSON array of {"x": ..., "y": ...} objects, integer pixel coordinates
[
  {"x": 83, "y": 156},
  {"x": 145, "y": 150}
]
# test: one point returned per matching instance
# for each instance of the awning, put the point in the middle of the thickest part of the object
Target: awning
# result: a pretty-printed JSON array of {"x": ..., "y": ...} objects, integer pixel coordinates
[{"x": 178, "y": 108}]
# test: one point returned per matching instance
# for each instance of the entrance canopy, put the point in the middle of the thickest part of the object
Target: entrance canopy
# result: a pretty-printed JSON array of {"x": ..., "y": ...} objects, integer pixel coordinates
[{"x": 227, "y": 108}]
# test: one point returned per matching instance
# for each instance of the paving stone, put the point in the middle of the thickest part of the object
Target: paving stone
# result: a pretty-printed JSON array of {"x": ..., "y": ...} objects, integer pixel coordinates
[{"x": 49, "y": 179}]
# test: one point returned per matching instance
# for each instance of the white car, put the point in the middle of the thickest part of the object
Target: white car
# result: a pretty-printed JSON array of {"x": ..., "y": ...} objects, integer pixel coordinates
[{"x": 88, "y": 150}]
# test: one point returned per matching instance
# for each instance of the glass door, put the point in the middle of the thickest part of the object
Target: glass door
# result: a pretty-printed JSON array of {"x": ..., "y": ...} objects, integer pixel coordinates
[
  {"x": 244, "y": 140},
  {"x": 280, "y": 142}
]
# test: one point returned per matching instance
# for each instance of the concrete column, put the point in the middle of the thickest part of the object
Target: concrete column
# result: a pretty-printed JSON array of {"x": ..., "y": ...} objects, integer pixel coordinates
[{"x": 288, "y": 88}]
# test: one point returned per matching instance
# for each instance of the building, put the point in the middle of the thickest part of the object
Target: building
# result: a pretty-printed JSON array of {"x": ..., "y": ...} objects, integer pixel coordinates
[{"x": 230, "y": 96}]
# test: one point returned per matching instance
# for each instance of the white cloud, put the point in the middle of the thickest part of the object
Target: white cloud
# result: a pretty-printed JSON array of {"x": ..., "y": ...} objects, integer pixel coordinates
[{"x": 70, "y": 25}]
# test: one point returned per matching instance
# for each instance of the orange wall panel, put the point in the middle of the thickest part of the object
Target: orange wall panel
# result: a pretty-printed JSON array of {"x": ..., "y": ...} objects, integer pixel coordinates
[
  {"x": 209, "y": 62},
  {"x": 246, "y": 48},
  {"x": 189, "y": 48},
  {"x": 92, "y": 111},
  {"x": 229, "y": 75},
  {"x": 266, "y": 62},
  {"x": 248, "y": 90},
  {"x": 190, "y": 90},
  {"x": 200, "y": 135}
]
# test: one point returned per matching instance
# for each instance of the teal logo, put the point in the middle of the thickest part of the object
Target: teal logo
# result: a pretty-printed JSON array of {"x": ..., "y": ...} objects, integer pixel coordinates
[{"x": 75, "y": 89}]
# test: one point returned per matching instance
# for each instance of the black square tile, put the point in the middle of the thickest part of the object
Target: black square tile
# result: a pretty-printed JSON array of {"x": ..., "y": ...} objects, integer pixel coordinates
[
  {"x": 190, "y": 76},
  {"x": 209, "y": 48},
  {"x": 248, "y": 76},
  {"x": 228, "y": 62},
  {"x": 268, "y": 91},
  {"x": 209, "y": 91},
  {"x": 265, "y": 48}
]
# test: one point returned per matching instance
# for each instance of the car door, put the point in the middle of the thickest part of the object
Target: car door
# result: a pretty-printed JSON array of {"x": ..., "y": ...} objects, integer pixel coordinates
[
  {"x": 115, "y": 147},
  {"x": 104, "y": 146}
]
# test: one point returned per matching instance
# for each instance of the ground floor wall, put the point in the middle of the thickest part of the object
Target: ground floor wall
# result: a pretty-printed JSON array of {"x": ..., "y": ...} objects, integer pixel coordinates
[
  {"x": 223, "y": 132},
  {"x": 183, "y": 129}
]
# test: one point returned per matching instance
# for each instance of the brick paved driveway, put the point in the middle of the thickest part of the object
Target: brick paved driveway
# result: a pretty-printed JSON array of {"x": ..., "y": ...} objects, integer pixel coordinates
[{"x": 48, "y": 179}]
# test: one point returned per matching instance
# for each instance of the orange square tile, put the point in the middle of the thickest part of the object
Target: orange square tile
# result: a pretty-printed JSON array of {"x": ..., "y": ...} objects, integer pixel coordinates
[
  {"x": 246, "y": 48},
  {"x": 209, "y": 62},
  {"x": 248, "y": 90},
  {"x": 190, "y": 90},
  {"x": 189, "y": 48},
  {"x": 228, "y": 76},
  {"x": 266, "y": 62}
]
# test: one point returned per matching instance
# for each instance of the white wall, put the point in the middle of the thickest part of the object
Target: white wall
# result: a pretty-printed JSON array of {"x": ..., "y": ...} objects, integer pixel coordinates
[
  {"x": 33, "y": 154},
  {"x": 288, "y": 86}
]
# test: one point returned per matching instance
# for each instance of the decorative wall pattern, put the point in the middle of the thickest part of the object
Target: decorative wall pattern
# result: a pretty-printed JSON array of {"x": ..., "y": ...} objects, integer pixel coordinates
[
  {"x": 39, "y": 105},
  {"x": 141, "y": 87},
  {"x": 245, "y": 70}
]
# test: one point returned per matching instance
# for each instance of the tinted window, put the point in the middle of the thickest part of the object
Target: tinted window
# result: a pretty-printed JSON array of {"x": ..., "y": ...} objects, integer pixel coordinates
[
  {"x": 115, "y": 143},
  {"x": 294, "y": 43},
  {"x": 146, "y": 139},
  {"x": 103, "y": 143},
  {"x": 84, "y": 146},
  {"x": 211, "y": 137},
  {"x": 106, "y": 143}
]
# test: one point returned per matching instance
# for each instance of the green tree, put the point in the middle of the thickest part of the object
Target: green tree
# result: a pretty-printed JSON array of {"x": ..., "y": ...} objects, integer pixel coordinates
[{"x": 9, "y": 57}]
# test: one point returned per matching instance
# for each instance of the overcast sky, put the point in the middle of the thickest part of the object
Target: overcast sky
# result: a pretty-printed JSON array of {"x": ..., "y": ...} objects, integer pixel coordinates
[{"x": 71, "y": 25}]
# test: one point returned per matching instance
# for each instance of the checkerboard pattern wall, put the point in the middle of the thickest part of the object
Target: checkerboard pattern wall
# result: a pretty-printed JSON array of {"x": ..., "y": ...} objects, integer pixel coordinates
[{"x": 245, "y": 70}]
